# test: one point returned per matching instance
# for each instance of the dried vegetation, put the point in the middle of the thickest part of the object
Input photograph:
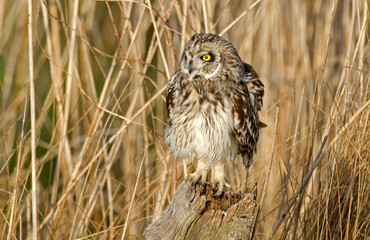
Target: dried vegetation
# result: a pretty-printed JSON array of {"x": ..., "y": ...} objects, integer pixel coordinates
[{"x": 100, "y": 70}]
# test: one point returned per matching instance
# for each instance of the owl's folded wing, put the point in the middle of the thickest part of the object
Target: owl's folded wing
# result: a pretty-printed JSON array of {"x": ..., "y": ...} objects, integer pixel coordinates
[
  {"x": 245, "y": 106},
  {"x": 169, "y": 98}
]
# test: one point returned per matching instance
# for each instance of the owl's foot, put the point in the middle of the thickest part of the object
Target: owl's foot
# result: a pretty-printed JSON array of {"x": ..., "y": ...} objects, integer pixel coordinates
[
  {"x": 222, "y": 186},
  {"x": 199, "y": 177},
  {"x": 220, "y": 182}
]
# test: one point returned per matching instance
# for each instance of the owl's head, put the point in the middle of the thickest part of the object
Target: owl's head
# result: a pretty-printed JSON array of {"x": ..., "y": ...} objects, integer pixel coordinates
[{"x": 206, "y": 55}]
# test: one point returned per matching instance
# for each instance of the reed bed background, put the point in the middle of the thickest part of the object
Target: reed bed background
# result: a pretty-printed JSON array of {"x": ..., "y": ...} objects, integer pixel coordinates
[{"x": 95, "y": 148}]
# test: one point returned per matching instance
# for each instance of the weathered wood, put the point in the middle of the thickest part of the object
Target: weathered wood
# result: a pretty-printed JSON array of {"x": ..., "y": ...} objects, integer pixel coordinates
[{"x": 192, "y": 215}]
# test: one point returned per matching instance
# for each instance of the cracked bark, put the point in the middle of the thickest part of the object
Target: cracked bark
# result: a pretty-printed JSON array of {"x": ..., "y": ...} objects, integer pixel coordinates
[{"x": 192, "y": 215}]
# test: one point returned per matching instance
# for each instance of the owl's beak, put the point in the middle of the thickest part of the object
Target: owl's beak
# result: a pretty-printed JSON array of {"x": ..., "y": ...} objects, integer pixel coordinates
[
  {"x": 190, "y": 68},
  {"x": 193, "y": 70}
]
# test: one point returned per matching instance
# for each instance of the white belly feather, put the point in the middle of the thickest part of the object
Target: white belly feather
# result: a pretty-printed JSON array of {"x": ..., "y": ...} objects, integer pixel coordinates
[{"x": 203, "y": 133}]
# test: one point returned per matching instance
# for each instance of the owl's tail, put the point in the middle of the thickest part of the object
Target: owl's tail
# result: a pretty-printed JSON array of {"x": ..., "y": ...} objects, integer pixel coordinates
[{"x": 248, "y": 161}]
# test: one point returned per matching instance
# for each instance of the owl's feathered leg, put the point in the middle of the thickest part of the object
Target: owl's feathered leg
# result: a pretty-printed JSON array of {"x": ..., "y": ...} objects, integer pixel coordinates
[
  {"x": 200, "y": 174},
  {"x": 219, "y": 179}
]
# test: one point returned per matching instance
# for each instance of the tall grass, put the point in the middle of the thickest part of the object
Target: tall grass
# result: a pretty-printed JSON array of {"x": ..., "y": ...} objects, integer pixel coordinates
[{"x": 100, "y": 70}]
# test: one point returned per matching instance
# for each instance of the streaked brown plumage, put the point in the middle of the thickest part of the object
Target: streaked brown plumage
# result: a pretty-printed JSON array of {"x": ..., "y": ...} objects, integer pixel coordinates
[{"x": 212, "y": 102}]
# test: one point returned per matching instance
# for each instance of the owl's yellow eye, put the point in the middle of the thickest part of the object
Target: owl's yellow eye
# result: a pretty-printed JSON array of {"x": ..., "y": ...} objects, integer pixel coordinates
[{"x": 207, "y": 57}]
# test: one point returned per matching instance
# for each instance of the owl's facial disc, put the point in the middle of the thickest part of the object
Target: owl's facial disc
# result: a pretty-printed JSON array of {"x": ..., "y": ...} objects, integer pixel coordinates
[{"x": 202, "y": 63}]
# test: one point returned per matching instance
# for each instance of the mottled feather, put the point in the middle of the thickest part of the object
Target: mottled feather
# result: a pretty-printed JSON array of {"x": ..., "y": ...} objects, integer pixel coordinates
[
  {"x": 169, "y": 98},
  {"x": 212, "y": 107},
  {"x": 247, "y": 101}
]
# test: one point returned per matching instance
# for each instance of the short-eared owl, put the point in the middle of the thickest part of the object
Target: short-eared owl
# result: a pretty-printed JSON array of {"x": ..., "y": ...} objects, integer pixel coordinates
[{"x": 212, "y": 102}]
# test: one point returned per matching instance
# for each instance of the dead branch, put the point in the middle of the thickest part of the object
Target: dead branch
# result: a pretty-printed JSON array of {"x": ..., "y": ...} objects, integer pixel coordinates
[{"x": 192, "y": 215}]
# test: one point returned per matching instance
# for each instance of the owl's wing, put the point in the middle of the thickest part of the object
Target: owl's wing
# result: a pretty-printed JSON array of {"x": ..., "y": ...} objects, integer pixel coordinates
[
  {"x": 247, "y": 100},
  {"x": 255, "y": 86},
  {"x": 170, "y": 97}
]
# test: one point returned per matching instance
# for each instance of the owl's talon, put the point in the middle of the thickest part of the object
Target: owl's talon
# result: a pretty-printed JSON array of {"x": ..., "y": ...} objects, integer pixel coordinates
[
  {"x": 219, "y": 190},
  {"x": 203, "y": 188},
  {"x": 193, "y": 183},
  {"x": 218, "y": 194},
  {"x": 199, "y": 177},
  {"x": 223, "y": 187}
]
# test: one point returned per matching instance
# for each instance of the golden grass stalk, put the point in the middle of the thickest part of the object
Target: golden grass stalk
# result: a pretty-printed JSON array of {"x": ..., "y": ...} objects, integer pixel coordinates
[
  {"x": 92, "y": 139},
  {"x": 33, "y": 123}
]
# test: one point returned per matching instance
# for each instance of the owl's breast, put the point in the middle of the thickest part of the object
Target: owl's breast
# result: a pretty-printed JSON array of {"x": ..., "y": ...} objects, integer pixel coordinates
[{"x": 202, "y": 126}]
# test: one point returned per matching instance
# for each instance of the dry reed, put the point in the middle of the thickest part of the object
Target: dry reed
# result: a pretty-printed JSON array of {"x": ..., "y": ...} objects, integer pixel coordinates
[{"x": 91, "y": 137}]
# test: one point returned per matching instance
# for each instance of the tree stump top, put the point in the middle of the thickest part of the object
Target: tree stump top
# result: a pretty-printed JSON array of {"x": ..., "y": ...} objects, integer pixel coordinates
[{"x": 193, "y": 214}]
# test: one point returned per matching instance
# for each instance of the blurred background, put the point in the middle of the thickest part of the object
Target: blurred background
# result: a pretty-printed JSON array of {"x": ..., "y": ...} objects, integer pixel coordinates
[{"x": 100, "y": 70}]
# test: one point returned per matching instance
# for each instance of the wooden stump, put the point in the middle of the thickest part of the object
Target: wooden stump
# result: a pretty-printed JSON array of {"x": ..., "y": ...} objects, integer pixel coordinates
[{"x": 192, "y": 215}]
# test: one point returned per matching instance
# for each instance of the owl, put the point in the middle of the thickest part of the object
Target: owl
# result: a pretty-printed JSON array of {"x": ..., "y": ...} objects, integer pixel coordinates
[{"x": 212, "y": 103}]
